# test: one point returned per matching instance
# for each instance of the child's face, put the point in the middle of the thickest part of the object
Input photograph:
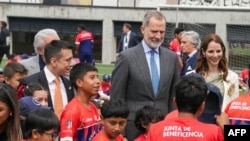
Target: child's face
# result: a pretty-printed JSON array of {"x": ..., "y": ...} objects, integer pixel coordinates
[
  {"x": 105, "y": 82},
  {"x": 14, "y": 81},
  {"x": 49, "y": 135},
  {"x": 90, "y": 83},
  {"x": 41, "y": 96},
  {"x": 1, "y": 77},
  {"x": 114, "y": 126}
]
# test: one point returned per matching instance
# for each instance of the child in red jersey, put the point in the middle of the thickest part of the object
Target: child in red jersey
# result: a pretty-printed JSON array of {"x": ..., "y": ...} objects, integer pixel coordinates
[
  {"x": 105, "y": 86},
  {"x": 144, "y": 118},
  {"x": 190, "y": 96},
  {"x": 79, "y": 119},
  {"x": 114, "y": 115},
  {"x": 238, "y": 109}
]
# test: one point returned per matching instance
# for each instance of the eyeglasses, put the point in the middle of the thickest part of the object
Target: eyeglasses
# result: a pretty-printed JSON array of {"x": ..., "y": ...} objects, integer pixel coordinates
[{"x": 53, "y": 135}]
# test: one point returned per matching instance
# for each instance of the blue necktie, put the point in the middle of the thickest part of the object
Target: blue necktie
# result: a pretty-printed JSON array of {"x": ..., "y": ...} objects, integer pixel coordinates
[{"x": 154, "y": 72}]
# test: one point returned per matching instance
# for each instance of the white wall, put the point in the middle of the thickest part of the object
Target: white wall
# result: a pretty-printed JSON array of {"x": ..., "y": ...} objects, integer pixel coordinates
[{"x": 108, "y": 15}]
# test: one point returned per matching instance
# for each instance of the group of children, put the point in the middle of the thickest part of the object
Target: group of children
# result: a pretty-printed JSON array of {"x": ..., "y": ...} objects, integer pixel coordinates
[{"x": 80, "y": 119}]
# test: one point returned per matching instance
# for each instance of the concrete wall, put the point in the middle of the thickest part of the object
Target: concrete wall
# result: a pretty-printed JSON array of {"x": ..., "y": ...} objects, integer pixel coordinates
[{"x": 217, "y": 16}]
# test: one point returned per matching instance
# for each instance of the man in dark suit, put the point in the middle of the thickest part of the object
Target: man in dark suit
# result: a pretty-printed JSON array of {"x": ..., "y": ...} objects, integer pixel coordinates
[
  {"x": 4, "y": 40},
  {"x": 58, "y": 58},
  {"x": 128, "y": 39},
  {"x": 190, "y": 44},
  {"x": 146, "y": 74}
]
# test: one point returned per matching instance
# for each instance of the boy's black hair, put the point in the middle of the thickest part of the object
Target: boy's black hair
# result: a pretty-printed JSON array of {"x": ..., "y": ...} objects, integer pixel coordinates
[
  {"x": 82, "y": 26},
  {"x": 79, "y": 71},
  {"x": 114, "y": 108},
  {"x": 190, "y": 92},
  {"x": 42, "y": 120},
  {"x": 178, "y": 30},
  {"x": 147, "y": 114},
  {"x": 12, "y": 68}
]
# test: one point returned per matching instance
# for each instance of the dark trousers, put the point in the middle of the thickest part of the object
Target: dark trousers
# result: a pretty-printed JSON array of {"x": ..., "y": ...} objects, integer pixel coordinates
[
  {"x": 4, "y": 50},
  {"x": 86, "y": 58}
]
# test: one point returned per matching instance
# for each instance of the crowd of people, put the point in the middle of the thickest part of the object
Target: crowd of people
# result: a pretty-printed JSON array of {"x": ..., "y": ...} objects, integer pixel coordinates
[{"x": 186, "y": 92}]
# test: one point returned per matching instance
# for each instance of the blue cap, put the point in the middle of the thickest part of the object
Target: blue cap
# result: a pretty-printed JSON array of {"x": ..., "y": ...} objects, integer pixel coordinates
[
  {"x": 24, "y": 56},
  {"x": 106, "y": 77},
  {"x": 213, "y": 102},
  {"x": 28, "y": 104}
]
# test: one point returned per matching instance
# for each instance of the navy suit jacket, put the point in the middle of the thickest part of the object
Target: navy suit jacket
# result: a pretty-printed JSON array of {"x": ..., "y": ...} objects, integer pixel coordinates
[
  {"x": 41, "y": 79},
  {"x": 190, "y": 64},
  {"x": 133, "y": 41}
]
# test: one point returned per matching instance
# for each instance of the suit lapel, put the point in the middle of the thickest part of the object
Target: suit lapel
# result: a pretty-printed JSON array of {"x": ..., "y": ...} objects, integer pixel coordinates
[
  {"x": 141, "y": 61},
  {"x": 68, "y": 88}
]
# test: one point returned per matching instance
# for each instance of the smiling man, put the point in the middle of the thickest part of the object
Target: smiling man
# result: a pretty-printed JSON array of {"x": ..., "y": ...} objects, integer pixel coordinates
[
  {"x": 58, "y": 59},
  {"x": 145, "y": 74}
]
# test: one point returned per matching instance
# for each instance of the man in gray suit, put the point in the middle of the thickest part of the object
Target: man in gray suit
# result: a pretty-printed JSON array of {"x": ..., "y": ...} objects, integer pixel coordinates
[
  {"x": 146, "y": 74},
  {"x": 42, "y": 38}
]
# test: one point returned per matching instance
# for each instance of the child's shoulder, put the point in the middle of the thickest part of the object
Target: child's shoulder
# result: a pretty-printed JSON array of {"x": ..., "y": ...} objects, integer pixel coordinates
[{"x": 73, "y": 104}]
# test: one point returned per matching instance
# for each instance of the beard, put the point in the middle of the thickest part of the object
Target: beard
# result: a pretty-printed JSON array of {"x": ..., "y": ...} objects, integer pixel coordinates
[{"x": 153, "y": 44}]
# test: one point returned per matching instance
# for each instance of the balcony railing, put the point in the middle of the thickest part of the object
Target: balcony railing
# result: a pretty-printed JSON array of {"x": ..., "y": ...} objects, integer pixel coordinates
[{"x": 134, "y": 3}]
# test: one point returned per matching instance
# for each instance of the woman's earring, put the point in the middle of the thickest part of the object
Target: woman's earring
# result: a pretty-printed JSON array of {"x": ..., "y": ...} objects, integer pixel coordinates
[{"x": 10, "y": 114}]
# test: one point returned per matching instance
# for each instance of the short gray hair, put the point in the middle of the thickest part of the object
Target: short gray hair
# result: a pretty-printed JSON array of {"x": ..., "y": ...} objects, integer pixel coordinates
[
  {"x": 40, "y": 35},
  {"x": 156, "y": 14},
  {"x": 193, "y": 37}
]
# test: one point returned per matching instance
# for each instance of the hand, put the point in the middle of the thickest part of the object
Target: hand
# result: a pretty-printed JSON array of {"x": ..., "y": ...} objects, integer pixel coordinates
[
  {"x": 105, "y": 98},
  {"x": 222, "y": 120}
]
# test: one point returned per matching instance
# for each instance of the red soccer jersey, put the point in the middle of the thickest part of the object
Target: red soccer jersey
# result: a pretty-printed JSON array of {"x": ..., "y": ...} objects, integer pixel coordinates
[
  {"x": 184, "y": 129},
  {"x": 244, "y": 75},
  {"x": 105, "y": 87},
  {"x": 172, "y": 114},
  {"x": 75, "y": 117},
  {"x": 84, "y": 39},
  {"x": 102, "y": 137},
  {"x": 175, "y": 46},
  {"x": 238, "y": 110},
  {"x": 141, "y": 137}
]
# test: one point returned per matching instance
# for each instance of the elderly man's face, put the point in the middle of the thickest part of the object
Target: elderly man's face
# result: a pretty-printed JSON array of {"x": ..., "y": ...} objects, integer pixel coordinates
[
  {"x": 47, "y": 40},
  {"x": 186, "y": 46}
]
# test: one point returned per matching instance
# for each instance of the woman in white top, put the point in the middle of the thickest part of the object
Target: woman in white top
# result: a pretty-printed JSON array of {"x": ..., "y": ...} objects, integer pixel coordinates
[{"x": 213, "y": 66}]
